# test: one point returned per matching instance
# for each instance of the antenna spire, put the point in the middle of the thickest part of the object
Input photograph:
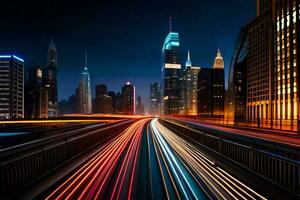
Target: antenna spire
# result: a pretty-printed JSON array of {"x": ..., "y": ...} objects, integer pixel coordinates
[
  {"x": 170, "y": 23},
  {"x": 85, "y": 59}
]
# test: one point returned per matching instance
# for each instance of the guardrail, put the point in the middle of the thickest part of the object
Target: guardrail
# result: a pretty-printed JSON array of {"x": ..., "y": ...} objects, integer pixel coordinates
[
  {"x": 278, "y": 169},
  {"x": 23, "y": 165}
]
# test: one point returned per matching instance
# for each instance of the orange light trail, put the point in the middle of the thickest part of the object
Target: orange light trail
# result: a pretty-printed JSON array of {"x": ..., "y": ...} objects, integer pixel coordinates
[{"x": 92, "y": 179}]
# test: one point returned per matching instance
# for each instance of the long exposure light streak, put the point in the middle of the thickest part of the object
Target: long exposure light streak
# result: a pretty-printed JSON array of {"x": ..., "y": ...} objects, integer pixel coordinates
[
  {"x": 220, "y": 181},
  {"x": 90, "y": 180},
  {"x": 185, "y": 181},
  {"x": 175, "y": 167}
]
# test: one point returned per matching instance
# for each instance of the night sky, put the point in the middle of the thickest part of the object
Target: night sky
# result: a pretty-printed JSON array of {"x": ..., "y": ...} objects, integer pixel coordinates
[{"x": 123, "y": 38}]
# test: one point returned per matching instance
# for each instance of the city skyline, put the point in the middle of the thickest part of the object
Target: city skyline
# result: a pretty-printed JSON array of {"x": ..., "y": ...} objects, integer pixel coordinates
[
  {"x": 107, "y": 42},
  {"x": 150, "y": 100}
]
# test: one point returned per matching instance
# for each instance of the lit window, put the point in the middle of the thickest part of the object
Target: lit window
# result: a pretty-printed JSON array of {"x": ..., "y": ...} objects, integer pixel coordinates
[{"x": 294, "y": 17}]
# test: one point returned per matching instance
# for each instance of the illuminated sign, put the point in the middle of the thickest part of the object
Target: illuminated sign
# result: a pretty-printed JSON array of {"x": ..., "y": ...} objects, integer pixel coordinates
[{"x": 172, "y": 66}]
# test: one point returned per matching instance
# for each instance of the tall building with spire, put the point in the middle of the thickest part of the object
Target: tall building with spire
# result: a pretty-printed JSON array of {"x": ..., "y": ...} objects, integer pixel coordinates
[
  {"x": 171, "y": 67},
  {"x": 191, "y": 86},
  {"x": 51, "y": 79},
  {"x": 84, "y": 91},
  {"x": 219, "y": 62},
  {"x": 188, "y": 62},
  {"x": 218, "y": 86},
  {"x": 188, "y": 88}
]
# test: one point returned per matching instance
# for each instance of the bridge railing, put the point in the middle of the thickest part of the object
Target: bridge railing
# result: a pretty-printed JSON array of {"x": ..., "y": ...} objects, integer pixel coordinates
[
  {"x": 22, "y": 166},
  {"x": 278, "y": 169}
]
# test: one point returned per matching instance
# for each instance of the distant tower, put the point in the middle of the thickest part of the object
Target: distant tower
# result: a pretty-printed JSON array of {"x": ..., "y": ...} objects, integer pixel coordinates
[
  {"x": 51, "y": 79},
  {"x": 84, "y": 92},
  {"x": 154, "y": 98},
  {"x": 188, "y": 63},
  {"x": 140, "y": 106},
  {"x": 219, "y": 62},
  {"x": 128, "y": 95}
]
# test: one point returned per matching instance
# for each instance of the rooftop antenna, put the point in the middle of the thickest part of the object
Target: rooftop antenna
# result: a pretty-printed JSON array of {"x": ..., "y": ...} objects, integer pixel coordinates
[
  {"x": 85, "y": 59},
  {"x": 170, "y": 23}
]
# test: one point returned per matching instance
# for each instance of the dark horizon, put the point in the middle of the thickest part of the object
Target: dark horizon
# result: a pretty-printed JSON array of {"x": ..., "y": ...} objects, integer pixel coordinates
[{"x": 123, "y": 40}]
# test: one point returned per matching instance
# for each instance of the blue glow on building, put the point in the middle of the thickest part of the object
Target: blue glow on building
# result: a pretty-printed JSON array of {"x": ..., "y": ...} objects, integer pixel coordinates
[
  {"x": 19, "y": 59},
  {"x": 9, "y": 56},
  {"x": 172, "y": 40},
  {"x": 5, "y": 56}
]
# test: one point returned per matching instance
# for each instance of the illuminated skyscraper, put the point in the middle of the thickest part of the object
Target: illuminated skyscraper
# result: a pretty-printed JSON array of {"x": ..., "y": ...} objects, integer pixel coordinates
[
  {"x": 188, "y": 88},
  {"x": 51, "y": 79},
  {"x": 11, "y": 87},
  {"x": 84, "y": 91},
  {"x": 171, "y": 67},
  {"x": 286, "y": 61},
  {"x": 128, "y": 94},
  {"x": 272, "y": 63},
  {"x": 191, "y": 73}
]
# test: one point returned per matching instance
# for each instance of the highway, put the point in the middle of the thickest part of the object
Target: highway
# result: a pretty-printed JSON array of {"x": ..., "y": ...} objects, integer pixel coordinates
[{"x": 149, "y": 161}]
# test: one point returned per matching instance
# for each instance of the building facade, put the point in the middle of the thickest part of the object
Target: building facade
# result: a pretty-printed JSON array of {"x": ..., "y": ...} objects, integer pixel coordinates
[
  {"x": 192, "y": 90},
  {"x": 237, "y": 86},
  {"x": 211, "y": 89},
  {"x": 68, "y": 106},
  {"x": 205, "y": 92},
  {"x": 128, "y": 95},
  {"x": 171, "y": 68},
  {"x": 11, "y": 87},
  {"x": 259, "y": 65},
  {"x": 36, "y": 94},
  {"x": 104, "y": 104},
  {"x": 272, "y": 63},
  {"x": 154, "y": 98},
  {"x": 140, "y": 109},
  {"x": 51, "y": 79},
  {"x": 286, "y": 64},
  {"x": 119, "y": 103},
  {"x": 113, "y": 96},
  {"x": 101, "y": 89}
]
